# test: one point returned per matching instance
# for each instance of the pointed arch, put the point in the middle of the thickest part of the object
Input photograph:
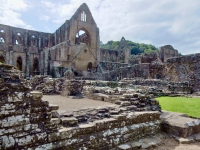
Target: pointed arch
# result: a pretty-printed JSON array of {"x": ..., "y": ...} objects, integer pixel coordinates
[
  {"x": 113, "y": 57},
  {"x": 106, "y": 56},
  {"x": 82, "y": 36},
  {"x": 2, "y": 59},
  {"x": 19, "y": 63},
  {"x": 35, "y": 66},
  {"x": 89, "y": 66},
  {"x": 2, "y": 40}
]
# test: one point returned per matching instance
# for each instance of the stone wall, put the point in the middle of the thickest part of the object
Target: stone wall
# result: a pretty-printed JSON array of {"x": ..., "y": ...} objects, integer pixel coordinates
[
  {"x": 110, "y": 66},
  {"x": 135, "y": 71},
  {"x": 166, "y": 52},
  {"x": 184, "y": 69}
]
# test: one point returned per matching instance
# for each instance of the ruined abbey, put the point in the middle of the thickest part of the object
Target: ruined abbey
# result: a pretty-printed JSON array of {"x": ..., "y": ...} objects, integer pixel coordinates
[
  {"x": 75, "y": 46},
  {"x": 113, "y": 94}
]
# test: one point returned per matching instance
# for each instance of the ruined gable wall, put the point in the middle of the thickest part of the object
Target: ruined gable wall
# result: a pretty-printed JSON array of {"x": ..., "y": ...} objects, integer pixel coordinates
[{"x": 89, "y": 27}]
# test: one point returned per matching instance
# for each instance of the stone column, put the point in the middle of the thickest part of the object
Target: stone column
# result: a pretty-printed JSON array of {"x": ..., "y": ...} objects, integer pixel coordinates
[
  {"x": 27, "y": 63},
  {"x": 11, "y": 55},
  {"x": 4, "y": 55},
  {"x": 39, "y": 42}
]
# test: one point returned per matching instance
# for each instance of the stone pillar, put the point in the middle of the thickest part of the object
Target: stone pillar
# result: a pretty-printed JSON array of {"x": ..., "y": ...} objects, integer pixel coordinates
[
  {"x": 11, "y": 55},
  {"x": 26, "y": 39},
  {"x": 39, "y": 42},
  {"x": 4, "y": 55},
  {"x": 27, "y": 63},
  {"x": 49, "y": 65}
]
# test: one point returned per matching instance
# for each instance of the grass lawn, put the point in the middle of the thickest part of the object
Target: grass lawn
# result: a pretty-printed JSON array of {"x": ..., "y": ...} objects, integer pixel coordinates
[{"x": 189, "y": 106}]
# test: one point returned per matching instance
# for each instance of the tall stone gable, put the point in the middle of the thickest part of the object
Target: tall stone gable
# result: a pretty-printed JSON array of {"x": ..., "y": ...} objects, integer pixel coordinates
[
  {"x": 124, "y": 50},
  {"x": 74, "y": 52}
]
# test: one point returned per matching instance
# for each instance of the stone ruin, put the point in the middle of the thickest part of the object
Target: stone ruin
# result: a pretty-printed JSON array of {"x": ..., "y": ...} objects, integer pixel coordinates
[
  {"x": 73, "y": 88},
  {"x": 46, "y": 84},
  {"x": 28, "y": 122},
  {"x": 134, "y": 100}
]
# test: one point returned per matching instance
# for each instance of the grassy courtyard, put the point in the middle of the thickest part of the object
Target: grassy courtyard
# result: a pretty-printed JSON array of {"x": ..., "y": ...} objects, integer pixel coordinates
[{"x": 189, "y": 106}]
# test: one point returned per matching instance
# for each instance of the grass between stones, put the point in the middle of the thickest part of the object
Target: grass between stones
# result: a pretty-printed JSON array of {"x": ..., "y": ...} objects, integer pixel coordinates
[{"x": 189, "y": 106}]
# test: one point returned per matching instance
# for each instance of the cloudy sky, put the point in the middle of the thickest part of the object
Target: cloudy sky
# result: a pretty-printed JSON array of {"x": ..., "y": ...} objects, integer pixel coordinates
[{"x": 157, "y": 22}]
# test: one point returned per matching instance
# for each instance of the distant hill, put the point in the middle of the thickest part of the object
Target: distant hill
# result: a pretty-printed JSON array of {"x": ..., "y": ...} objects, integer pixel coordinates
[{"x": 136, "y": 48}]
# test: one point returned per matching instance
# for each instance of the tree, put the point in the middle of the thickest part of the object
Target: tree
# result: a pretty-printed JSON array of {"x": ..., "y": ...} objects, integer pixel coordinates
[{"x": 136, "y": 48}]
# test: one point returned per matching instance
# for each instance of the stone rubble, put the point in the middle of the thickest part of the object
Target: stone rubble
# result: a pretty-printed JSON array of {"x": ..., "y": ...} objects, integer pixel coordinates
[{"x": 47, "y": 85}]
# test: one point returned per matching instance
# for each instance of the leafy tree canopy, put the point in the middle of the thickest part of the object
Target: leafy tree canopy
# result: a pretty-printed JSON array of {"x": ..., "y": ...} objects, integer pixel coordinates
[{"x": 136, "y": 48}]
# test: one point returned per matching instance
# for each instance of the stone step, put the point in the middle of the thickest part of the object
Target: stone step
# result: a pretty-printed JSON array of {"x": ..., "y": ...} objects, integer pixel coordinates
[
  {"x": 179, "y": 125},
  {"x": 145, "y": 143},
  {"x": 188, "y": 140}
]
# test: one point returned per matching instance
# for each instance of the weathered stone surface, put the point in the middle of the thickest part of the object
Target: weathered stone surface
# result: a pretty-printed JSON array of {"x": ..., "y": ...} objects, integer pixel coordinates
[
  {"x": 69, "y": 121},
  {"x": 36, "y": 95},
  {"x": 179, "y": 124},
  {"x": 124, "y": 147}
]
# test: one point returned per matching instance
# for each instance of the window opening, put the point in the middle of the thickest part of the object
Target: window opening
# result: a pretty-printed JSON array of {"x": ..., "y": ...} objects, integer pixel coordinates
[
  {"x": 83, "y": 16},
  {"x": 2, "y": 40}
]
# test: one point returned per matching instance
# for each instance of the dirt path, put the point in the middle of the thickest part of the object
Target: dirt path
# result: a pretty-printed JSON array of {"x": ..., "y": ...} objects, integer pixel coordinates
[
  {"x": 172, "y": 144},
  {"x": 69, "y": 104}
]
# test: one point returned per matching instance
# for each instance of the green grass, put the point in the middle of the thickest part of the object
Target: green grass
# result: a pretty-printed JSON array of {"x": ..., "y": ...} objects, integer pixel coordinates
[{"x": 189, "y": 106}]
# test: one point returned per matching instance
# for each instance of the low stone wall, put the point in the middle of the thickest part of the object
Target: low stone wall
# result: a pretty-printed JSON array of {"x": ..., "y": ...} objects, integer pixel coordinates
[{"x": 104, "y": 134}]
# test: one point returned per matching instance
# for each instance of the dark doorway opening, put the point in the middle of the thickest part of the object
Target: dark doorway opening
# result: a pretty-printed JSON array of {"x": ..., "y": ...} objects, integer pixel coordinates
[
  {"x": 2, "y": 60},
  {"x": 19, "y": 63}
]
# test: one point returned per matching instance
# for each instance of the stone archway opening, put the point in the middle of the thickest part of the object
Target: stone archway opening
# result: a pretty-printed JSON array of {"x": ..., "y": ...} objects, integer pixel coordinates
[
  {"x": 19, "y": 63},
  {"x": 89, "y": 67},
  {"x": 2, "y": 60},
  {"x": 36, "y": 66},
  {"x": 82, "y": 37}
]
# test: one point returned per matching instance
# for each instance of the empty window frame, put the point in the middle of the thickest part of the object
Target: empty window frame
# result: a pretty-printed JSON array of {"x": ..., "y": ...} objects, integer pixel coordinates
[{"x": 83, "y": 16}]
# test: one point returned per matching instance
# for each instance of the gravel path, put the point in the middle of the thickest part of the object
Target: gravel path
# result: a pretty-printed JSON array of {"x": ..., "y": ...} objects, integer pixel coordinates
[
  {"x": 172, "y": 144},
  {"x": 70, "y": 104}
]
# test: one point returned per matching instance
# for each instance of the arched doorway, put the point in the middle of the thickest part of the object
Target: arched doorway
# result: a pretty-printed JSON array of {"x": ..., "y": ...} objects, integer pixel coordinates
[
  {"x": 2, "y": 60},
  {"x": 35, "y": 66},
  {"x": 89, "y": 66},
  {"x": 19, "y": 63}
]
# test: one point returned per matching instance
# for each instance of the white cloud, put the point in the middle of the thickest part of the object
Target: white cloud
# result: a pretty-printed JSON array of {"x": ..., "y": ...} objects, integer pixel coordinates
[
  {"x": 10, "y": 13},
  {"x": 156, "y": 22}
]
